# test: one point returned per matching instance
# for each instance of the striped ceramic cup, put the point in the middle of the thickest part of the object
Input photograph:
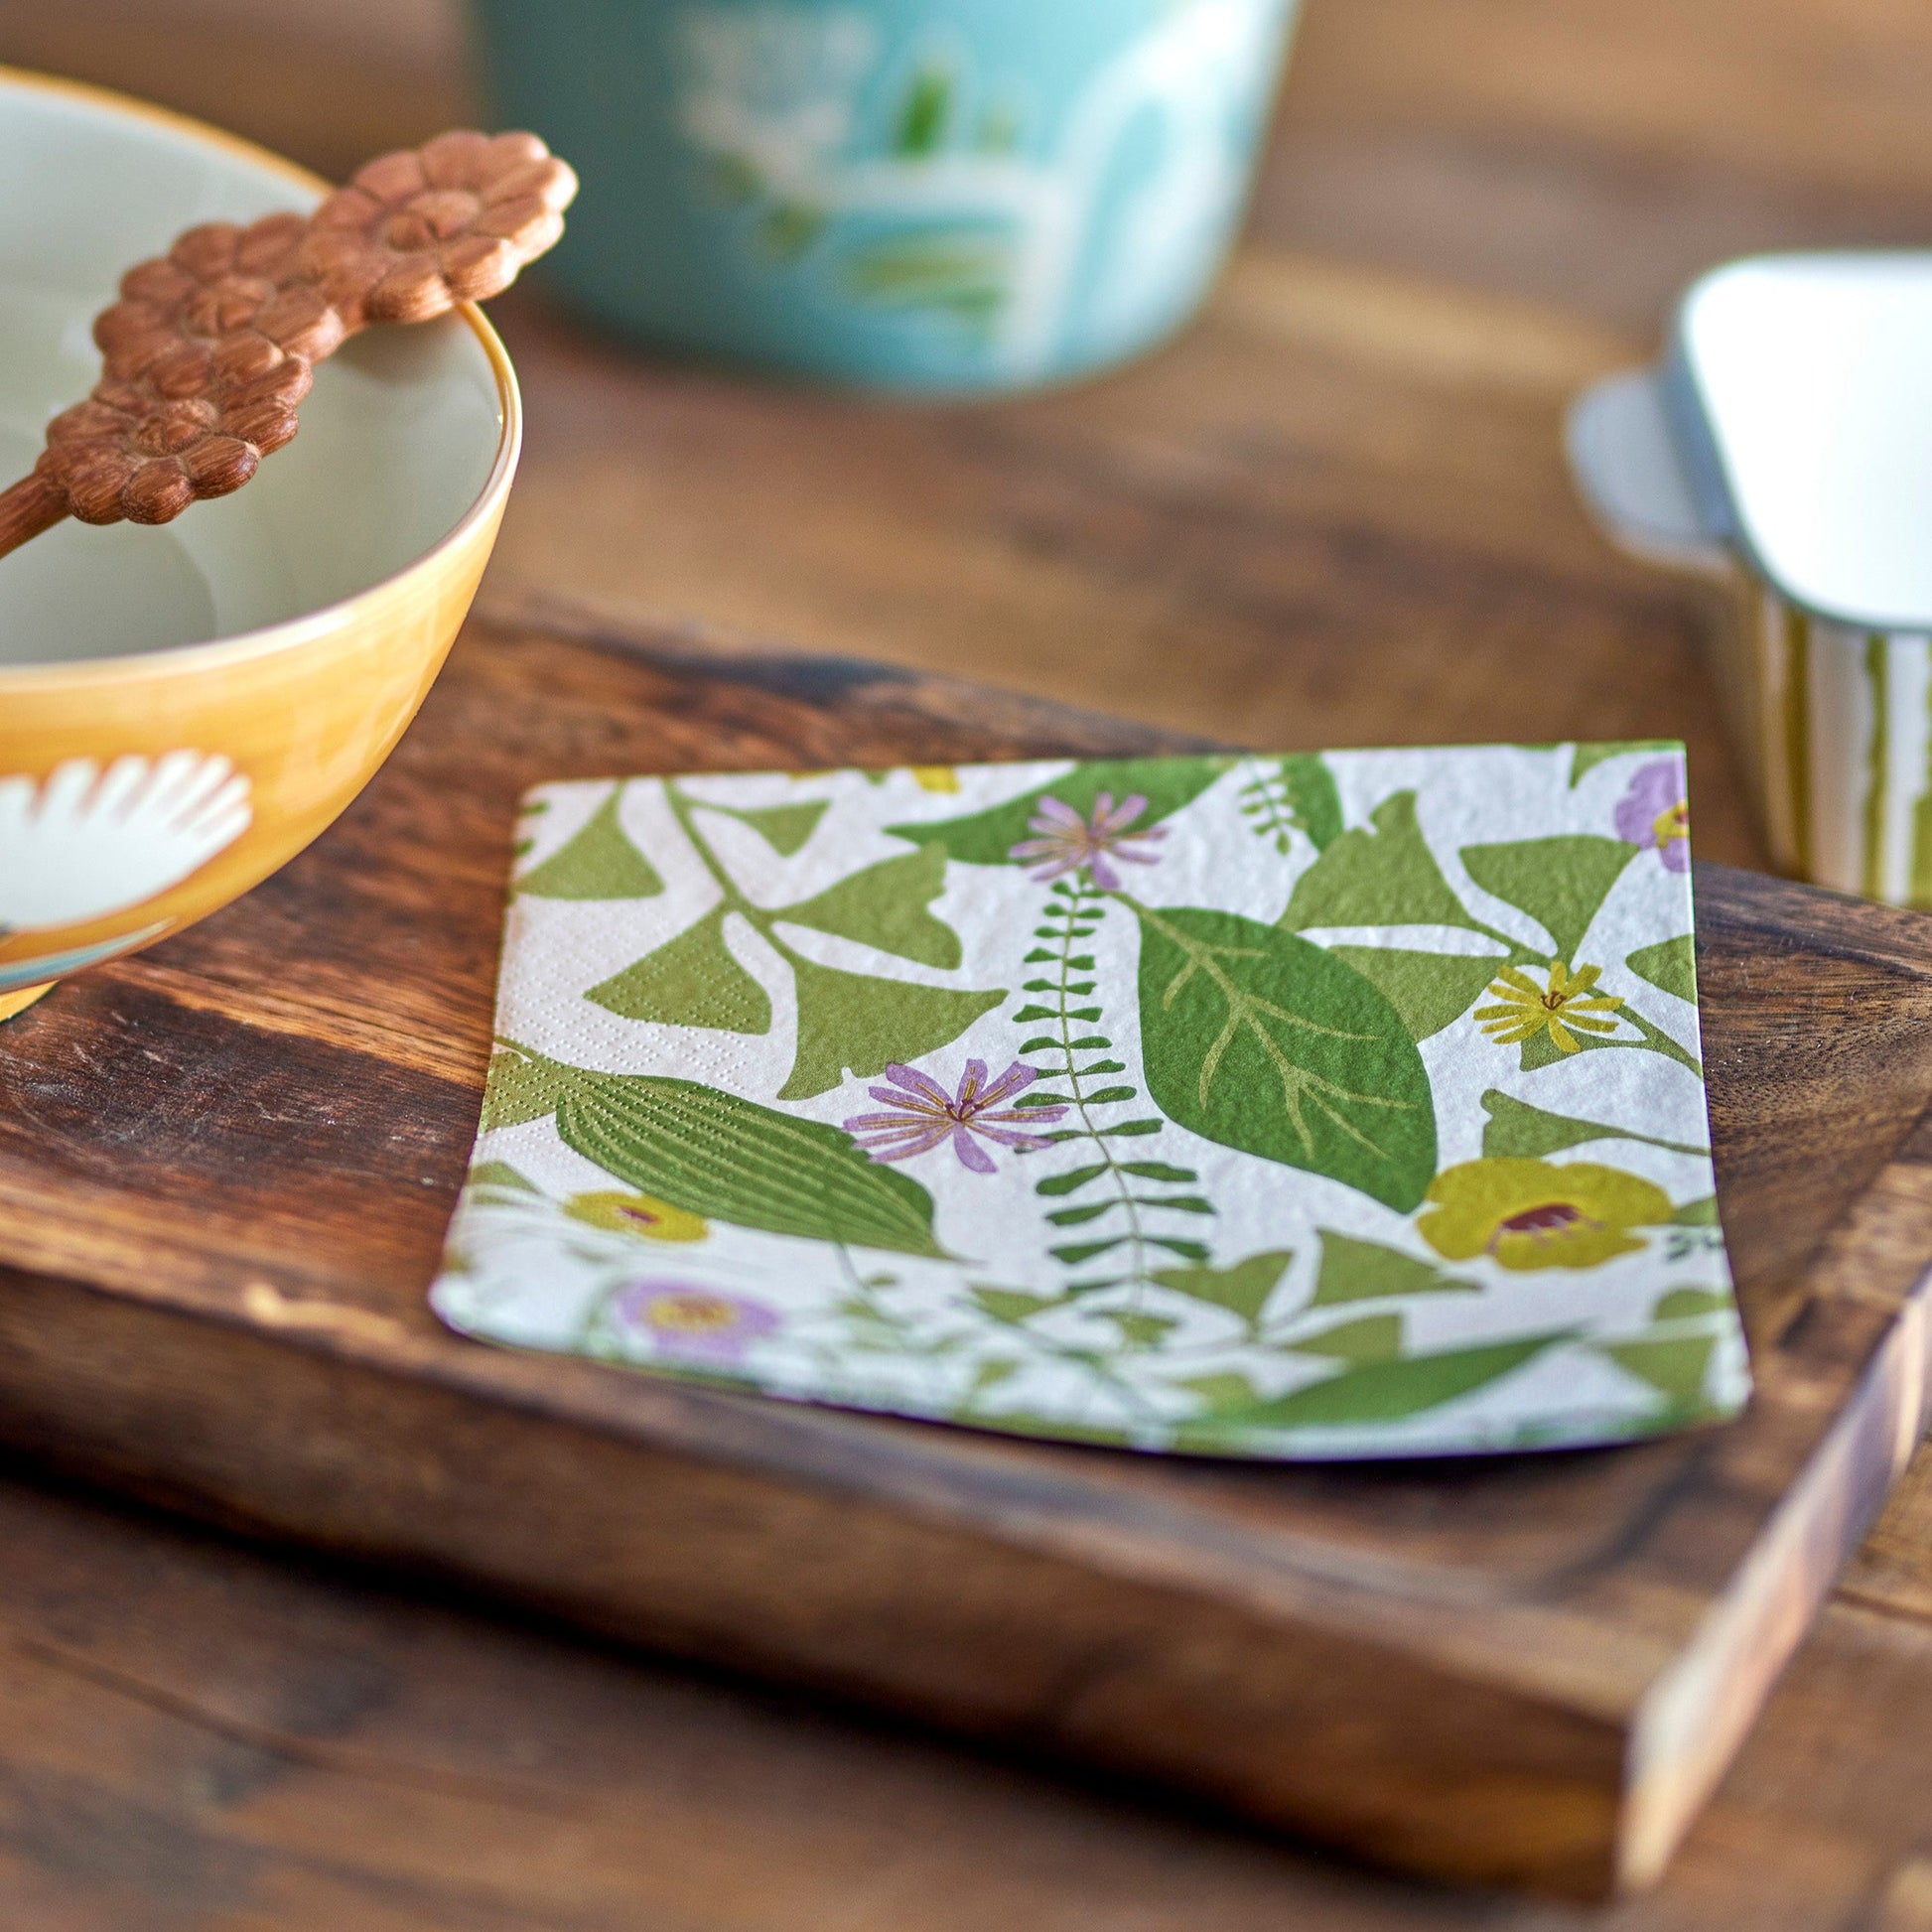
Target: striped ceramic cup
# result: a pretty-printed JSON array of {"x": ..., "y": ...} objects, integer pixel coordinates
[{"x": 1785, "y": 444}]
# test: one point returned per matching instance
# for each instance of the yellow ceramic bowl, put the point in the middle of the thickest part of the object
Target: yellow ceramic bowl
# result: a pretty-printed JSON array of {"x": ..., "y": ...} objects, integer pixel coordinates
[{"x": 182, "y": 709}]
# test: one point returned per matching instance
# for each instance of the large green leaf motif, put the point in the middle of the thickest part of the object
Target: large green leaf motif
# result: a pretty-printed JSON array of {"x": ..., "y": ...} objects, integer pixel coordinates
[
  {"x": 986, "y": 838},
  {"x": 1243, "y": 1288},
  {"x": 599, "y": 862},
  {"x": 1261, "y": 1040},
  {"x": 1430, "y": 990},
  {"x": 784, "y": 828},
  {"x": 1010, "y": 1303},
  {"x": 1515, "y": 1127},
  {"x": 1381, "y": 875},
  {"x": 1671, "y": 964},
  {"x": 1367, "y": 1339},
  {"x": 731, "y": 1160},
  {"x": 1677, "y": 1303},
  {"x": 854, "y": 1022},
  {"x": 1354, "y": 1269},
  {"x": 1388, "y": 1391},
  {"x": 499, "y": 1176},
  {"x": 885, "y": 907},
  {"x": 520, "y": 1086},
  {"x": 1560, "y": 883},
  {"x": 690, "y": 981},
  {"x": 1676, "y": 1366}
]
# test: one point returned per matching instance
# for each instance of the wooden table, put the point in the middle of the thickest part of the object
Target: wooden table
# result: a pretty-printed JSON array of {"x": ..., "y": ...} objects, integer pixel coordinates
[{"x": 1333, "y": 513}]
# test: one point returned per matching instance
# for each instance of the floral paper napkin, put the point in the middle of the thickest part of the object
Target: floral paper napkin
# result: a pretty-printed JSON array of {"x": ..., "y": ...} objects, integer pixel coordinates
[{"x": 1313, "y": 1106}]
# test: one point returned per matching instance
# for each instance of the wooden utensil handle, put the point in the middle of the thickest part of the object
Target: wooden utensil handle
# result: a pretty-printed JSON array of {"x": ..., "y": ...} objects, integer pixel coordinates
[
  {"x": 33, "y": 504},
  {"x": 232, "y": 321}
]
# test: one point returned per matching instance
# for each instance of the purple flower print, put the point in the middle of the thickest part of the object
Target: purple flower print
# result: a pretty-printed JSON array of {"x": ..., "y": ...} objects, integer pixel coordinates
[
  {"x": 1653, "y": 812},
  {"x": 1067, "y": 841},
  {"x": 696, "y": 1325},
  {"x": 925, "y": 1114}
]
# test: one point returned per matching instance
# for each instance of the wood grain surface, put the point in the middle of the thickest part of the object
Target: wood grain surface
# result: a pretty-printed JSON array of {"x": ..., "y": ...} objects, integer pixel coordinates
[
  {"x": 226, "y": 1167},
  {"x": 195, "y": 1738},
  {"x": 1333, "y": 512}
]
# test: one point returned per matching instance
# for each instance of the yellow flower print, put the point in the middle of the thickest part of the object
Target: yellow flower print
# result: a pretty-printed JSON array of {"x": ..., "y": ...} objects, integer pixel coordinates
[
  {"x": 934, "y": 777},
  {"x": 644, "y": 1214},
  {"x": 1529, "y": 1214},
  {"x": 1528, "y": 1008},
  {"x": 1672, "y": 823}
]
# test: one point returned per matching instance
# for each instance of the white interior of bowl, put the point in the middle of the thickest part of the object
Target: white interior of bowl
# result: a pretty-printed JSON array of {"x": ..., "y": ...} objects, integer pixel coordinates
[{"x": 398, "y": 437}]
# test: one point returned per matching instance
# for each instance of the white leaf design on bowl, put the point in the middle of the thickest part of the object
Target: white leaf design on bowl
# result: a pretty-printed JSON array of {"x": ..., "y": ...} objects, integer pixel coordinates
[{"x": 84, "y": 842}]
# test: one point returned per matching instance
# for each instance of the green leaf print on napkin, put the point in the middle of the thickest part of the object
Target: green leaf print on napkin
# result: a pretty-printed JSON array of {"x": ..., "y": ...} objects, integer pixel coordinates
[
  {"x": 1383, "y": 875},
  {"x": 1354, "y": 1269},
  {"x": 1515, "y": 1127},
  {"x": 986, "y": 838},
  {"x": 1560, "y": 883},
  {"x": 1683, "y": 1302},
  {"x": 1430, "y": 990},
  {"x": 852, "y": 1021},
  {"x": 1675, "y": 1366},
  {"x": 1387, "y": 876},
  {"x": 1295, "y": 794},
  {"x": 522, "y": 1087},
  {"x": 1675, "y": 1357},
  {"x": 847, "y": 1021},
  {"x": 600, "y": 862},
  {"x": 784, "y": 828},
  {"x": 497, "y": 1178},
  {"x": 886, "y": 906},
  {"x": 1244, "y": 1288},
  {"x": 861, "y": 1023},
  {"x": 1671, "y": 965},
  {"x": 1260, "y": 1040},
  {"x": 731, "y": 1160},
  {"x": 691, "y": 980},
  {"x": 1160, "y": 1106},
  {"x": 1367, "y": 1339},
  {"x": 1546, "y": 1047},
  {"x": 1010, "y": 1303},
  {"x": 713, "y": 1153},
  {"x": 1382, "y": 1392}
]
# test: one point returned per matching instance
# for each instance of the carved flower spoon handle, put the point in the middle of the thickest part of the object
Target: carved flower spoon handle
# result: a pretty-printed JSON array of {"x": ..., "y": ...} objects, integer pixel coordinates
[{"x": 211, "y": 346}]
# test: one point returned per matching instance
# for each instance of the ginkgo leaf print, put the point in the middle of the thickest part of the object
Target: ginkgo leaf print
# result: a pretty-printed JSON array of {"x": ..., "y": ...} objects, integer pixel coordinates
[
  {"x": 1261, "y": 1040},
  {"x": 1156, "y": 1104}
]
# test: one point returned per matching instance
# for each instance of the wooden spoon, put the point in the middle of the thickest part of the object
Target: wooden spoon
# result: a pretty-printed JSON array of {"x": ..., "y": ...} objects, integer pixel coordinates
[{"x": 211, "y": 346}]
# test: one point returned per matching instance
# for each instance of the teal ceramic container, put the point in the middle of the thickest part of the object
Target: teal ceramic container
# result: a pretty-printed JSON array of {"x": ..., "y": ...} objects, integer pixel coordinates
[{"x": 922, "y": 195}]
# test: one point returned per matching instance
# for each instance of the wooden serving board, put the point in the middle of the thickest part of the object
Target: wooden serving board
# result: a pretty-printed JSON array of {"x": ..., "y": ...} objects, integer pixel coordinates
[{"x": 225, "y": 1168}]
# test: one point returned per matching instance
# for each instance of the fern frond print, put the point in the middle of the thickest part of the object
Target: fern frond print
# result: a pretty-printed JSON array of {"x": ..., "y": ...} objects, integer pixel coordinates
[{"x": 1260, "y": 1107}]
